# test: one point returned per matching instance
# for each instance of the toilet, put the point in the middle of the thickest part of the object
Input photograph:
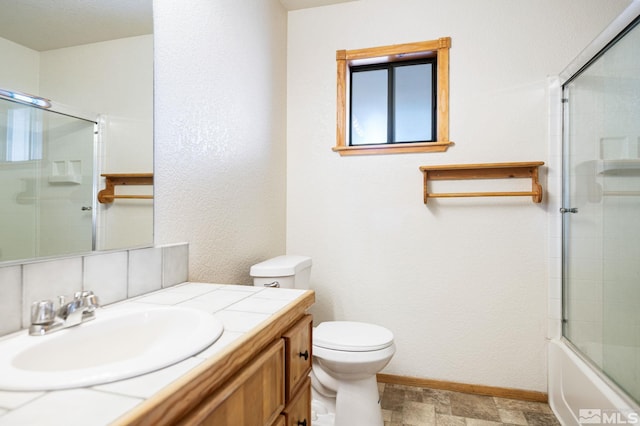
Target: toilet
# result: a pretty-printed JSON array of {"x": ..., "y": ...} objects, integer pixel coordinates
[{"x": 346, "y": 354}]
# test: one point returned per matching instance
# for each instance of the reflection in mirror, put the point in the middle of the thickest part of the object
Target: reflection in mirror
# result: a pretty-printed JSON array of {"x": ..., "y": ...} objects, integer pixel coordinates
[
  {"x": 46, "y": 167},
  {"x": 83, "y": 56}
]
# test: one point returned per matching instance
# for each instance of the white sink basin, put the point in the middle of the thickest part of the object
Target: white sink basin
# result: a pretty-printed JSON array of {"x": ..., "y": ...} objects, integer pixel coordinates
[{"x": 123, "y": 341}]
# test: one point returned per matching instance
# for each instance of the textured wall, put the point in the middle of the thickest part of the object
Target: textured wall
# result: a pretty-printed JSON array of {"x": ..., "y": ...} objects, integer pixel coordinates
[
  {"x": 220, "y": 81},
  {"x": 461, "y": 282}
]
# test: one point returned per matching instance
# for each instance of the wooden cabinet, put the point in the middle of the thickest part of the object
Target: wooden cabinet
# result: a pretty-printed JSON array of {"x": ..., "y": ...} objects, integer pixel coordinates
[
  {"x": 254, "y": 397},
  {"x": 298, "y": 354},
  {"x": 273, "y": 389},
  {"x": 298, "y": 346},
  {"x": 298, "y": 409}
]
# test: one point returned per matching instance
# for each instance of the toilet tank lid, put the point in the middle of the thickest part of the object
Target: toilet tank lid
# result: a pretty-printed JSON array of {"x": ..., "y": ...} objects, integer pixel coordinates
[
  {"x": 351, "y": 336},
  {"x": 281, "y": 266}
]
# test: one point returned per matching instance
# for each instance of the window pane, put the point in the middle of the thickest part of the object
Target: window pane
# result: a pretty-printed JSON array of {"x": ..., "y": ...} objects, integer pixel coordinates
[
  {"x": 413, "y": 103},
  {"x": 23, "y": 141},
  {"x": 369, "y": 107}
]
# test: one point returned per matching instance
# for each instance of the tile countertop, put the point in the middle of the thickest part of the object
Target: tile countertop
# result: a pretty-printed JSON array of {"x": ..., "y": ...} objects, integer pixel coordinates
[{"x": 242, "y": 309}]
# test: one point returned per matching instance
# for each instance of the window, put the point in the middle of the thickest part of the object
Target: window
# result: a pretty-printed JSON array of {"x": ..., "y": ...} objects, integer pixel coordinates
[
  {"x": 23, "y": 138},
  {"x": 398, "y": 99},
  {"x": 392, "y": 103}
]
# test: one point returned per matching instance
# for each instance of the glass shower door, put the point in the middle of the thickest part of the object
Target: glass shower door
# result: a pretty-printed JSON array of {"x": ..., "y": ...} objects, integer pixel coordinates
[
  {"x": 66, "y": 203},
  {"x": 47, "y": 176},
  {"x": 601, "y": 220}
]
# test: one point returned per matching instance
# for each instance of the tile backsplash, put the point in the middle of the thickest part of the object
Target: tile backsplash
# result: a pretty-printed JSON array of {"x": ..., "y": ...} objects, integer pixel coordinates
[{"x": 113, "y": 276}]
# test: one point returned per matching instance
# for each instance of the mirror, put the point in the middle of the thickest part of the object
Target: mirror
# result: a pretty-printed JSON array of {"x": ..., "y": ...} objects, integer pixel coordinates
[{"x": 90, "y": 59}]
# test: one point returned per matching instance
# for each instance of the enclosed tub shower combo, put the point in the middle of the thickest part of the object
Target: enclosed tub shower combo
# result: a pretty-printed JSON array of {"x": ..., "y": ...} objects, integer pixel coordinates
[{"x": 594, "y": 367}]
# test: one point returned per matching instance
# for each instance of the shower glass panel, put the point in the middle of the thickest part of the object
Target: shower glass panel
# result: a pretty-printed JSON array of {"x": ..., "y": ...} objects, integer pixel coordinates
[
  {"x": 601, "y": 253},
  {"x": 46, "y": 175}
]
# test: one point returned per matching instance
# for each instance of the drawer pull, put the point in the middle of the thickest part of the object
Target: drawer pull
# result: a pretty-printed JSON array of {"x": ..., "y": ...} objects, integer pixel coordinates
[
  {"x": 304, "y": 355},
  {"x": 302, "y": 423}
]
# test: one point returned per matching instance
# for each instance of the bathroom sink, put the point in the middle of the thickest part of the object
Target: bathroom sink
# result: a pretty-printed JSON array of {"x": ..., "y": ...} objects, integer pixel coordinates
[{"x": 123, "y": 341}]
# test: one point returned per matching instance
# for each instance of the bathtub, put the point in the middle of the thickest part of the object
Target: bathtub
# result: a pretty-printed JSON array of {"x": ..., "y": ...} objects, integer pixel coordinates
[{"x": 580, "y": 396}]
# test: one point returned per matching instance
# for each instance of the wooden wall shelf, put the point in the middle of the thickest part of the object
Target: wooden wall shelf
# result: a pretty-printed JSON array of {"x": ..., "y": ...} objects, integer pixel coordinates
[
  {"x": 484, "y": 171},
  {"x": 108, "y": 194}
]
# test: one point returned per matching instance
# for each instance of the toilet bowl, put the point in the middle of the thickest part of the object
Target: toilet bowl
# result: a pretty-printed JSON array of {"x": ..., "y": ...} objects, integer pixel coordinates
[{"x": 347, "y": 355}]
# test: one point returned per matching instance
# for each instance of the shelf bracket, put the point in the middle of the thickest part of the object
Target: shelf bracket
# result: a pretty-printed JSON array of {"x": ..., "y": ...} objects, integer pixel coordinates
[{"x": 527, "y": 170}]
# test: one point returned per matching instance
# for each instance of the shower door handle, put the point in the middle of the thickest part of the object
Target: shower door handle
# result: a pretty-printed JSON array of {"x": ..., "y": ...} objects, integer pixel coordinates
[{"x": 571, "y": 210}]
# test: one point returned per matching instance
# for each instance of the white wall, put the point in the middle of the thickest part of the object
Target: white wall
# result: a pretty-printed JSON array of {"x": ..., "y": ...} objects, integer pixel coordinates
[
  {"x": 115, "y": 79},
  {"x": 23, "y": 74},
  {"x": 462, "y": 283},
  {"x": 18, "y": 239},
  {"x": 220, "y": 81}
]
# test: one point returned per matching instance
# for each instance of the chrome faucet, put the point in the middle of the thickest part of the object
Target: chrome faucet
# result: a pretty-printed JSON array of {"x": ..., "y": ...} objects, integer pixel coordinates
[{"x": 46, "y": 319}]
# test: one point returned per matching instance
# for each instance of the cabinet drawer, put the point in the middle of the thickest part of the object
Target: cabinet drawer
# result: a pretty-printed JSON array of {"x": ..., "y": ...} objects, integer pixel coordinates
[
  {"x": 298, "y": 410},
  {"x": 298, "y": 354},
  {"x": 253, "y": 397}
]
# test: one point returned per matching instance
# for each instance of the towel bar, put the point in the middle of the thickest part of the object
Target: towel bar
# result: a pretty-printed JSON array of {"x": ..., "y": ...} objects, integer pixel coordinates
[{"x": 484, "y": 171}]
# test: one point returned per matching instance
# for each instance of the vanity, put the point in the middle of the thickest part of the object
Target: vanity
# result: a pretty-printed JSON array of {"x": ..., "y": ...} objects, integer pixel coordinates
[{"x": 256, "y": 373}]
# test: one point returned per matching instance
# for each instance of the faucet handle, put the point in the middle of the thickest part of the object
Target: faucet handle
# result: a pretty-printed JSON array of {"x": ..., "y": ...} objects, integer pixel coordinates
[
  {"x": 42, "y": 312},
  {"x": 90, "y": 300}
]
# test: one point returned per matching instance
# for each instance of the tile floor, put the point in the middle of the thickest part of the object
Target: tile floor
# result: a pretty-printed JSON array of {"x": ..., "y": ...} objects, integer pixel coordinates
[{"x": 415, "y": 406}]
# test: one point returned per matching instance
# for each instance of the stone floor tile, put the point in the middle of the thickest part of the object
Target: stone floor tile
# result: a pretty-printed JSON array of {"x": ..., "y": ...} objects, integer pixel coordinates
[
  {"x": 446, "y": 420},
  {"x": 480, "y": 422},
  {"x": 518, "y": 405},
  {"x": 439, "y": 398},
  {"x": 414, "y": 394},
  {"x": 541, "y": 419},
  {"x": 392, "y": 398},
  {"x": 418, "y": 414},
  {"x": 512, "y": 417},
  {"x": 414, "y": 406},
  {"x": 386, "y": 415},
  {"x": 474, "y": 406},
  {"x": 397, "y": 416}
]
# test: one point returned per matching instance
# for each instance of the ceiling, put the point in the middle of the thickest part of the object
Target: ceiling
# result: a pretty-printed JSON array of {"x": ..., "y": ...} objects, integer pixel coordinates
[
  {"x": 52, "y": 24},
  {"x": 305, "y": 4}
]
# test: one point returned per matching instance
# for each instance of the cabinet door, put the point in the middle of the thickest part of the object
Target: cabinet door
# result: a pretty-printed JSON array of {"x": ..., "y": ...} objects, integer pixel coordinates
[
  {"x": 298, "y": 354},
  {"x": 298, "y": 410},
  {"x": 279, "y": 421},
  {"x": 255, "y": 396}
]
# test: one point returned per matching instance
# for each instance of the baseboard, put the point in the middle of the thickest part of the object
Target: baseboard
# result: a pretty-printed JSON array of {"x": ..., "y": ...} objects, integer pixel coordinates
[{"x": 521, "y": 394}]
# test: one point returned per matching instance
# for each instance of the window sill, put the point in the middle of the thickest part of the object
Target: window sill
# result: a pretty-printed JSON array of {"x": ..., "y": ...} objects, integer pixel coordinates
[{"x": 400, "y": 148}]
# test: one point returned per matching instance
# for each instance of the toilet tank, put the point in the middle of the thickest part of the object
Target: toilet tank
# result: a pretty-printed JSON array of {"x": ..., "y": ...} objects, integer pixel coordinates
[{"x": 288, "y": 271}]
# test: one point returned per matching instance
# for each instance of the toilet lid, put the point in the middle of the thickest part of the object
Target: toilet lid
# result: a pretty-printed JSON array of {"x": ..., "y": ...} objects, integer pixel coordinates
[{"x": 351, "y": 336}]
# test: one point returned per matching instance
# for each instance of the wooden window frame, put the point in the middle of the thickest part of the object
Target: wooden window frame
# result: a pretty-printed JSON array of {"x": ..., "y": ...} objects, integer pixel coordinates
[{"x": 434, "y": 48}]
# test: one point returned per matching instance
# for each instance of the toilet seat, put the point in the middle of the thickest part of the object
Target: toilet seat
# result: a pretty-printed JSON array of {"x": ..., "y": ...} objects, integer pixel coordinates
[{"x": 351, "y": 336}]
